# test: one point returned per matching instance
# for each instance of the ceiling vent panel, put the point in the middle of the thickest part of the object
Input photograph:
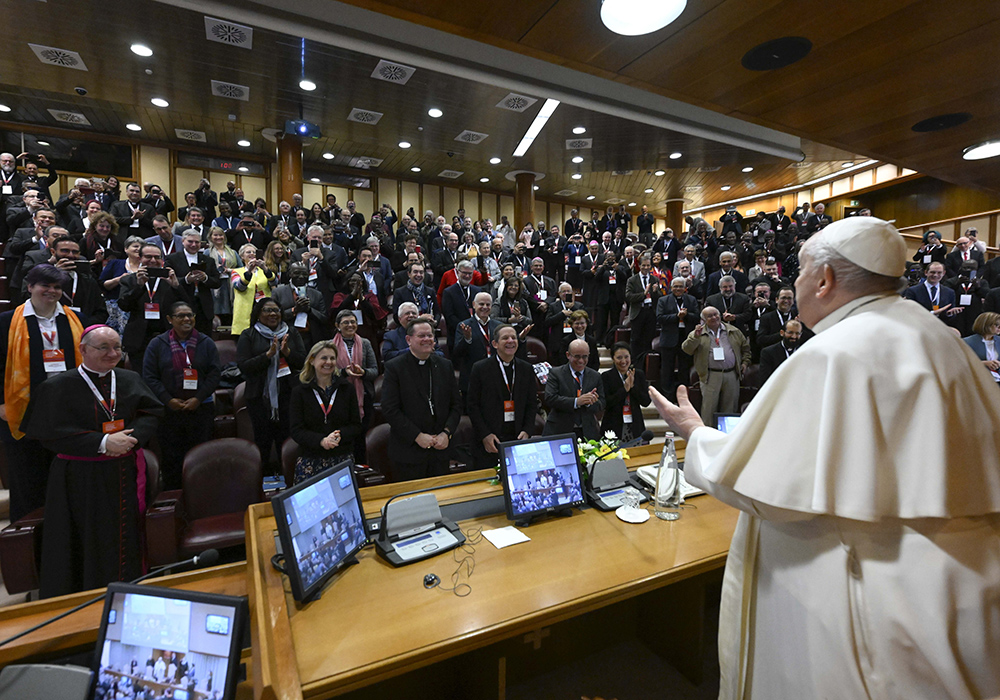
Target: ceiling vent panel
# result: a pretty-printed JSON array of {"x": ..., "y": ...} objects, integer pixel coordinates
[
  {"x": 579, "y": 144},
  {"x": 516, "y": 103},
  {"x": 800, "y": 164},
  {"x": 230, "y": 90},
  {"x": 708, "y": 169},
  {"x": 622, "y": 172},
  {"x": 190, "y": 135},
  {"x": 223, "y": 32},
  {"x": 565, "y": 193},
  {"x": 58, "y": 57},
  {"x": 692, "y": 188},
  {"x": 365, "y": 162},
  {"x": 393, "y": 72},
  {"x": 364, "y": 116},
  {"x": 75, "y": 118},
  {"x": 614, "y": 200},
  {"x": 451, "y": 174},
  {"x": 471, "y": 137}
]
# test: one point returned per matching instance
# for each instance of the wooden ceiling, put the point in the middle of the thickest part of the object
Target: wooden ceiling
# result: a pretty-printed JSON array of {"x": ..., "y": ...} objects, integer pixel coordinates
[
  {"x": 876, "y": 68},
  {"x": 121, "y": 84}
]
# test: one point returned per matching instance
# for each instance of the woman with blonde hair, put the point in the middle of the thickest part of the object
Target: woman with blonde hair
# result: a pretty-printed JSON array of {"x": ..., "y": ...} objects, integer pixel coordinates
[
  {"x": 227, "y": 260},
  {"x": 276, "y": 260}
]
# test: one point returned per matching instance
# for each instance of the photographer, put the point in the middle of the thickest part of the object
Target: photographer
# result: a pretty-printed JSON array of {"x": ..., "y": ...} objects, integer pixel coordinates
[
  {"x": 206, "y": 199},
  {"x": 159, "y": 200},
  {"x": 31, "y": 173},
  {"x": 248, "y": 231}
]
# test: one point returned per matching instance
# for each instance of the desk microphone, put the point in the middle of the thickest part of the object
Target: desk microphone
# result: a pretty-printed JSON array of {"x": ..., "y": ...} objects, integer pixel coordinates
[
  {"x": 207, "y": 558},
  {"x": 646, "y": 437}
]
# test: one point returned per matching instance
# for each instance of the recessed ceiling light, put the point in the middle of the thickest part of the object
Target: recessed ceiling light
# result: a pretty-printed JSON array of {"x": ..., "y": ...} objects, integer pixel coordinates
[
  {"x": 648, "y": 190},
  {"x": 160, "y": 102},
  {"x": 576, "y": 176},
  {"x": 328, "y": 156},
  {"x": 747, "y": 169},
  {"x": 244, "y": 143},
  {"x": 484, "y": 179},
  {"x": 415, "y": 169},
  {"x": 987, "y": 149},
  {"x": 660, "y": 173},
  {"x": 4, "y": 108},
  {"x": 591, "y": 197},
  {"x": 579, "y": 130},
  {"x": 577, "y": 159},
  {"x": 243, "y": 169},
  {"x": 726, "y": 188},
  {"x": 631, "y": 204},
  {"x": 848, "y": 164},
  {"x": 435, "y": 113},
  {"x": 495, "y": 161},
  {"x": 307, "y": 85},
  {"x": 141, "y": 50},
  {"x": 635, "y": 17},
  {"x": 314, "y": 179},
  {"x": 404, "y": 144},
  {"x": 130, "y": 127},
  {"x": 42, "y": 143},
  {"x": 535, "y": 188},
  {"x": 675, "y": 155}
]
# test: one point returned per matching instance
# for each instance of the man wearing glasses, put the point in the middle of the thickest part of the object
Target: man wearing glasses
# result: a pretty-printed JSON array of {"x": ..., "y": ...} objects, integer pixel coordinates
[
  {"x": 574, "y": 394},
  {"x": 147, "y": 295}
]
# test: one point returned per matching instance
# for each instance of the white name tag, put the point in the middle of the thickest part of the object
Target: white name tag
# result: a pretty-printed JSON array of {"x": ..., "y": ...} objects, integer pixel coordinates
[
  {"x": 964, "y": 299},
  {"x": 927, "y": 259},
  {"x": 301, "y": 319},
  {"x": 54, "y": 361},
  {"x": 718, "y": 354},
  {"x": 578, "y": 260},
  {"x": 7, "y": 189},
  {"x": 357, "y": 315},
  {"x": 190, "y": 381},
  {"x": 151, "y": 312},
  {"x": 74, "y": 309},
  {"x": 283, "y": 369},
  {"x": 756, "y": 325},
  {"x": 647, "y": 302},
  {"x": 134, "y": 224}
]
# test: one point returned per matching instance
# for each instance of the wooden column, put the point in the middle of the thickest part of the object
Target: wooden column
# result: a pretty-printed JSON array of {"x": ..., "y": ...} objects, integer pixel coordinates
[
  {"x": 289, "y": 168},
  {"x": 675, "y": 216},
  {"x": 524, "y": 200}
]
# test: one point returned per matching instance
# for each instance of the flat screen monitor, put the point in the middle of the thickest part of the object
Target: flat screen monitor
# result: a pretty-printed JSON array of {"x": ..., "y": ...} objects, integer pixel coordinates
[
  {"x": 541, "y": 475},
  {"x": 156, "y": 642},
  {"x": 321, "y": 527},
  {"x": 726, "y": 422}
]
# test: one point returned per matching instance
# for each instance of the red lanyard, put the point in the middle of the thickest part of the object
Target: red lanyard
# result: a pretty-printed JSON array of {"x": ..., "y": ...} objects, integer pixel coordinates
[
  {"x": 324, "y": 407},
  {"x": 152, "y": 291}
]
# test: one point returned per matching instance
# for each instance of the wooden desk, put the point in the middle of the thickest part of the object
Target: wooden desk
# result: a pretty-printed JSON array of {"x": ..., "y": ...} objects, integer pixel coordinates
[{"x": 374, "y": 622}]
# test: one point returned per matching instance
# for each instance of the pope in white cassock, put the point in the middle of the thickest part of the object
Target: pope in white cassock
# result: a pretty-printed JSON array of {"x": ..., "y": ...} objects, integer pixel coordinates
[{"x": 866, "y": 559}]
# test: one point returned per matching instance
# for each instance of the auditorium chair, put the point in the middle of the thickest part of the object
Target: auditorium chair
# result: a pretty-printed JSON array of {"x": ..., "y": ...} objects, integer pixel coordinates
[
  {"x": 21, "y": 542},
  {"x": 221, "y": 479},
  {"x": 623, "y": 335},
  {"x": 4, "y": 288},
  {"x": 537, "y": 352},
  {"x": 461, "y": 447},
  {"x": 3, "y": 266},
  {"x": 227, "y": 351},
  {"x": 290, "y": 451},
  {"x": 377, "y": 449}
]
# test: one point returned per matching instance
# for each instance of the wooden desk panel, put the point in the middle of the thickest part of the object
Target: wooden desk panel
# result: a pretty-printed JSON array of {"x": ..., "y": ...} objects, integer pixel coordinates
[{"x": 374, "y": 621}]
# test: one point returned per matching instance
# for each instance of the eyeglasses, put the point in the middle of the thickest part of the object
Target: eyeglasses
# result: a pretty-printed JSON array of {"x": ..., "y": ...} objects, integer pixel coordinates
[
  {"x": 106, "y": 348},
  {"x": 581, "y": 357}
]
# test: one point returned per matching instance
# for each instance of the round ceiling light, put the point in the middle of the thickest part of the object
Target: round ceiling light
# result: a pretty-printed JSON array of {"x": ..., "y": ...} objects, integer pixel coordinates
[
  {"x": 577, "y": 176},
  {"x": 649, "y": 190},
  {"x": 777, "y": 53},
  {"x": 314, "y": 179},
  {"x": 577, "y": 159},
  {"x": 141, "y": 50},
  {"x": 579, "y": 130},
  {"x": 675, "y": 155},
  {"x": 535, "y": 188},
  {"x": 328, "y": 156},
  {"x": 987, "y": 149},
  {"x": 307, "y": 85},
  {"x": 631, "y": 204},
  {"x": 484, "y": 179},
  {"x": 747, "y": 169},
  {"x": 130, "y": 127},
  {"x": 415, "y": 169},
  {"x": 404, "y": 144},
  {"x": 435, "y": 113},
  {"x": 494, "y": 161},
  {"x": 591, "y": 197},
  {"x": 160, "y": 102},
  {"x": 635, "y": 17},
  {"x": 941, "y": 122},
  {"x": 726, "y": 188},
  {"x": 848, "y": 164},
  {"x": 4, "y": 108},
  {"x": 244, "y": 143},
  {"x": 243, "y": 169},
  {"x": 660, "y": 173}
]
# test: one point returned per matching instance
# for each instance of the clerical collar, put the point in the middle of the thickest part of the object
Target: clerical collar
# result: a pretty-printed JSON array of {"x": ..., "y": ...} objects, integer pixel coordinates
[
  {"x": 842, "y": 312},
  {"x": 94, "y": 371}
]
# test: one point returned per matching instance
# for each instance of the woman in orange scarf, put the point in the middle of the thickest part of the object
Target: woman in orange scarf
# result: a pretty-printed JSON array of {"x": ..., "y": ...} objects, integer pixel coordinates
[{"x": 38, "y": 339}]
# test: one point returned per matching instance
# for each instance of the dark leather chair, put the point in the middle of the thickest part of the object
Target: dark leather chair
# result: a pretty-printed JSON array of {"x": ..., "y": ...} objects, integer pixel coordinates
[
  {"x": 221, "y": 479},
  {"x": 461, "y": 460},
  {"x": 377, "y": 449},
  {"x": 244, "y": 428},
  {"x": 365, "y": 475},
  {"x": 4, "y": 288},
  {"x": 227, "y": 351},
  {"x": 623, "y": 335},
  {"x": 537, "y": 352}
]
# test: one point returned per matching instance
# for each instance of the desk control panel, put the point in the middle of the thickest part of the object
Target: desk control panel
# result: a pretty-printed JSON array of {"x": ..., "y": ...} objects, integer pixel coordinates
[
  {"x": 425, "y": 544},
  {"x": 612, "y": 500}
]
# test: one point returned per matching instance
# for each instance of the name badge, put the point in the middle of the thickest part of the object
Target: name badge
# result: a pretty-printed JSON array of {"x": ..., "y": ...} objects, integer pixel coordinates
[
  {"x": 301, "y": 319},
  {"x": 7, "y": 189},
  {"x": 718, "y": 354},
  {"x": 647, "y": 301},
  {"x": 611, "y": 279},
  {"x": 508, "y": 411},
  {"x": 258, "y": 295},
  {"x": 190, "y": 380},
  {"x": 627, "y": 413},
  {"x": 756, "y": 325},
  {"x": 313, "y": 275},
  {"x": 283, "y": 369},
  {"x": 567, "y": 328},
  {"x": 964, "y": 299},
  {"x": 134, "y": 224},
  {"x": 151, "y": 311},
  {"x": 74, "y": 309},
  {"x": 357, "y": 315},
  {"x": 113, "y": 426},
  {"x": 934, "y": 307},
  {"x": 927, "y": 259},
  {"x": 578, "y": 260},
  {"x": 54, "y": 360}
]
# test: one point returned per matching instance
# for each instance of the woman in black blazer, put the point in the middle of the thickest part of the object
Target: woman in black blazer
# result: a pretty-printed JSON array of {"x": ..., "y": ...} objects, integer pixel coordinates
[
  {"x": 626, "y": 392},
  {"x": 324, "y": 415}
]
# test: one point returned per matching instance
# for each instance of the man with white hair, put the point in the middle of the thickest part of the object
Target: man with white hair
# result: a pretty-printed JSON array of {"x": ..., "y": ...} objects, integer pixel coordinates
[
  {"x": 962, "y": 252},
  {"x": 10, "y": 186},
  {"x": 866, "y": 559}
]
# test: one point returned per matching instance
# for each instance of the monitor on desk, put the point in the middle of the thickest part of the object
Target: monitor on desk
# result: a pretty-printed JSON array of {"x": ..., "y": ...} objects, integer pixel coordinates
[
  {"x": 726, "y": 422},
  {"x": 321, "y": 527},
  {"x": 540, "y": 475},
  {"x": 156, "y": 642}
]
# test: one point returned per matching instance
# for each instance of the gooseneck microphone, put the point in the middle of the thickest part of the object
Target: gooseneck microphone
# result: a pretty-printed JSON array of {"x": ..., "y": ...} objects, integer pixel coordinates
[
  {"x": 646, "y": 437},
  {"x": 207, "y": 558}
]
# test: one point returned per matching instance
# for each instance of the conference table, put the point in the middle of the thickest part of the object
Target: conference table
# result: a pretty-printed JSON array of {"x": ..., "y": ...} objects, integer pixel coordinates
[{"x": 374, "y": 622}]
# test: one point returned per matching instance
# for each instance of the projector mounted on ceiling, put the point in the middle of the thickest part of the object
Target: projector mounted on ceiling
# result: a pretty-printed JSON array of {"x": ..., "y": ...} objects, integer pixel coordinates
[{"x": 302, "y": 129}]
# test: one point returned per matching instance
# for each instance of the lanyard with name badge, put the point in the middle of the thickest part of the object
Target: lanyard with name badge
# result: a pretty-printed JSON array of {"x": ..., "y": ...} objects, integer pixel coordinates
[
  {"x": 111, "y": 425},
  {"x": 53, "y": 357},
  {"x": 718, "y": 353},
  {"x": 325, "y": 407},
  {"x": 508, "y": 405},
  {"x": 151, "y": 310},
  {"x": 190, "y": 382}
]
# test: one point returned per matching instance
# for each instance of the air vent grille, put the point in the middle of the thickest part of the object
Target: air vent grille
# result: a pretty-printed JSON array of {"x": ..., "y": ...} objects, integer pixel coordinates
[
  {"x": 190, "y": 135},
  {"x": 516, "y": 103},
  {"x": 364, "y": 116},
  {"x": 565, "y": 193},
  {"x": 451, "y": 174},
  {"x": 622, "y": 172},
  {"x": 65, "y": 117},
  {"x": 58, "y": 57},
  {"x": 365, "y": 162},
  {"x": 614, "y": 200},
  {"x": 471, "y": 137},
  {"x": 230, "y": 90},
  {"x": 579, "y": 144},
  {"x": 708, "y": 169},
  {"x": 393, "y": 72},
  {"x": 223, "y": 32}
]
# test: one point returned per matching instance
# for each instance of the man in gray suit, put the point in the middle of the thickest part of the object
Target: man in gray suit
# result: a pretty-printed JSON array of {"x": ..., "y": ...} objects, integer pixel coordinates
[
  {"x": 302, "y": 306},
  {"x": 642, "y": 292},
  {"x": 574, "y": 394}
]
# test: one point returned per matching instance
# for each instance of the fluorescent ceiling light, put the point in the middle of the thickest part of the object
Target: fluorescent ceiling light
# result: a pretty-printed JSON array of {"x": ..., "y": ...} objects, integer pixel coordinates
[
  {"x": 494, "y": 161},
  {"x": 435, "y": 113},
  {"x": 635, "y": 17},
  {"x": 726, "y": 188},
  {"x": 244, "y": 143},
  {"x": 576, "y": 176},
  {"x": 415, "y": 169},
  {"x": 404, "y": 144},
  {"x": 660, "y": 173},
  {"x": 577, "y": 159},
  {"x": 328, "y": 156},
  {"x": 484, "y": 179},
  {"x": 579, "y": 130},
  {"x": 307, "y": 85},
  {"x": 130, "y": 127},
  {"x": 748, "y": 169},
  {"x": 848, "y": 164},
  {"x": 160, "y": 102},
  {"x": 141, "y": 50},
  {"x": 243, "y": 169},
  {"x": 987, "y": 149},
  {"x": 536, "y": 127}
]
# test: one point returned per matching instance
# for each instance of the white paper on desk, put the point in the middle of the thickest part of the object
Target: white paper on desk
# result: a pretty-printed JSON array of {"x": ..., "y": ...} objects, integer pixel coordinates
[{"x": 505, "y": 536}]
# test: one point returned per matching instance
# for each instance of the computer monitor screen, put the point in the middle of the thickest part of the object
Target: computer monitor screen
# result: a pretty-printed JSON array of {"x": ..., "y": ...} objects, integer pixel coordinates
[
  {"x": 540, "y": 475},
  {"x": 321, "y": 525},
  {"x": 156, "y": 642},
  {"x": 726, "y": 422}
]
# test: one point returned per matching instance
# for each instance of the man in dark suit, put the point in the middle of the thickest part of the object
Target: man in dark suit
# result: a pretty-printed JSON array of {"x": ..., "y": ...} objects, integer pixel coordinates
[
  {"x": 473, "y": 339},
  {"x": 642, "y": 292},
  {"x": 421, "y": 404},
  {"x": 31, "y": 174},
  {"x": 39, "y": 251},
  {"x": 325, "y": 265},
  {"x": 299, "y": 225},
  {"x": 962, "y": 252},
  {"x": 371, "y": 275},
  {"x": 734, "y": 306},
  {"x": 932, "y": 295},
  {"x": 381, "y": 262},
  {"x": 780, "y": 221},
  {"x": 772, "y": 356},
  {"x": 284, "y": 216},
  {"x": 134, "y": 217},
  {"x": 159, "y": 200},
  {"x": 541, "y": 289},
  {"x": 501, "y": 401},
  {"x": 818, "y": 219},
  {"x": 82, "y": 293},
  {"x": 198, "y": 275},
  {"x": 302, "y": 307},
  {"x": 10, "y": 185},
  {"x": 574, "y": 394},
  {"x": 970, "y": 293},
  {"x": 394, "y": 341},
  {"x": 727, "y": 260},
  {"x": 446, "y": 258},
  {"x": 574, "y": 224},
  {"x": 415, "y": 292},
  {"x": 677, "y": 313},
  {"x": 456, "y": 301},
  {"x": 771, "y": 323},
  {"x": 644, "y": 224},
  {"x": 609, "y": 280},
  {"x": 249, "y": 230},
  {"x": 206, "y": 198},
  {"x": 668, "y": 246},
  {"x": 557, "y": 323}
]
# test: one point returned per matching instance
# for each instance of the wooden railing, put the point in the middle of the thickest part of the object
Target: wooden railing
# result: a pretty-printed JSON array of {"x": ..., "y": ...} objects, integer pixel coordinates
[{"x": 986, "y": 223}]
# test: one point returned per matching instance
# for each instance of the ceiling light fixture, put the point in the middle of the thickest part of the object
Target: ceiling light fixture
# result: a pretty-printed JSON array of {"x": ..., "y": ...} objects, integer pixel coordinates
[
  {"x": 579, "y": 130},
  {"x": 591, "y": 198},
  {"x": 404, "y": 144},
  {"x": 675, "y": 155},
  {"x": 726, "y": 188},
  {"x": 495, "y": 161},
  {"x": 42, "y": 143},
  {"x": 577, "y": 176},
  {"x": 307, "y": 85},
  {"x": 160, "y": 102},
  {"x": 244, "y": 143},
  {"x": 635, "y": 17},
  {"x": 848, "y": 164},
  {"x": 660, "y": 173},
  {"x": 415, "y": 169},
  {"x": 314, "y": 179},
  {"x": 987, "y": 149},
  {"x": 130, "y": 127},
  {"x": 747, "y": 169},
  {"x": 328, "y": 156},
  {"x": 536, "y": 127},
  {"x": 141, "y": 50},
  {"x": 484, "y": 179},
  {"x": 535, "y": 188},
  {"x": 4, "y": 108},
  {"x": 631, "y": 204},
  {"x": 243, "y": 169},
  {"x": 435, "y": 113},
  {"x": 649, "y": 190},
  {"x": 577, "y": 159}
]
